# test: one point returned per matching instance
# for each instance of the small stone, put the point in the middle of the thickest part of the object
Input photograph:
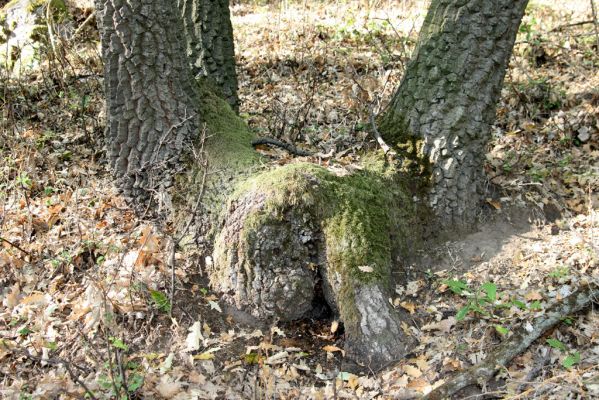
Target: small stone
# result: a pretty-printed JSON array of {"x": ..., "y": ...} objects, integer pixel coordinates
[{"x": 584, "y": 134}]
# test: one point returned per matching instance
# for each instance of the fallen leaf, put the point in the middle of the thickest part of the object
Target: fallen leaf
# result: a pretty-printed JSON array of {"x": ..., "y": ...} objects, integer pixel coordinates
[
  {"x": 331, "y": 349},
  {"x": 444, "y": 325},
  {"x": 167, "y": 388},
  {"x": 533, "y": 296},
  {"x": 420, "y": 385},
  {"x": 412, "y": 371},
  {"x": 334, "y": 326},
  {"x": 496, "y": 204},
  {"x": 411, "y": 307},
  {"x": 194, "y": 337},
  {"x": 204, "y": 356},
  {"x": 214, "y": 306}
]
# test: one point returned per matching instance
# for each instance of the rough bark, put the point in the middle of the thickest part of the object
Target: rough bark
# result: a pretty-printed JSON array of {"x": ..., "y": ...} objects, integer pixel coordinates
[
  {"x": 151, "y": 103},
  {"x": 210, "y": 46},
  {"x": 441, "y": 114}
]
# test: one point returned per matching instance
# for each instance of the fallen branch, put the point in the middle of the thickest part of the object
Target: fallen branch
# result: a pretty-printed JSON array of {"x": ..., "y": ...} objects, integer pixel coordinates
[
  {"x": 15, "y": 246},
  {"x": 570, "y": 25},
  {"x": 284, "y": 145},
  {"x": 517, "y": 343}
]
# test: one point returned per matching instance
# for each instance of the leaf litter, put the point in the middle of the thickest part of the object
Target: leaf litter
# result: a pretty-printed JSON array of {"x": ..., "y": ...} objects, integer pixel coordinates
[{"x": 84, "y": 285}]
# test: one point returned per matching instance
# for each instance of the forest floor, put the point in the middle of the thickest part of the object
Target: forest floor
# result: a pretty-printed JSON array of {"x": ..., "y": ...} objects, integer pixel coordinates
[{"x": 85, "y": 285}]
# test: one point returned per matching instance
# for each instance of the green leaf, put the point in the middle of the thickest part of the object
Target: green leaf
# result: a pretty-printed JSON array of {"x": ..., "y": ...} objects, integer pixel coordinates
[
  {"x": 50, "y": 345},
  {"x": 119, "y": 344},
  {"x": 519, "y": 304},
  {"x": 24, "y": 331},
  {"x": 567, "y": 321},
  {"x": 462, "y": 313},
  {"x": 571, "y": 359},
  {"x": 478, "y": 309},
  {"x": 251, "y": 358},
  {"x": 134, "y": 382},
  {"x": 344, "y": 376},
  {"x": 501, "y": 330},
  {"x": 161, "y": 301},
  {"x": 490, "y": 290},
  {"x": 556, "y": 344},
  {"x": 456, "y": 286},
  {"x": 536, "y": 305}
]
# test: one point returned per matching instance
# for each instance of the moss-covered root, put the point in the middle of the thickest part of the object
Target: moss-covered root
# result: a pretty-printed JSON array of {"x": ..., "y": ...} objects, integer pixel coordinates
[{"x": 287, "y": 226}]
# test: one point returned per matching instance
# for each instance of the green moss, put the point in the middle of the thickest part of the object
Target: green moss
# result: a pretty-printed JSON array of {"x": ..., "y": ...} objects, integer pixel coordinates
[
  {"x": 367, "y": 219},
  {"x": 229, "y": 138},
  {"x": 230, "y": 157},
  {"x": 357, "y": 213}
]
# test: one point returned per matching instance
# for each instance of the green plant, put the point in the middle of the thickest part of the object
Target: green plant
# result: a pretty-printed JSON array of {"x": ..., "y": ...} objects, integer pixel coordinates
[
  {"x": 572, "y": 357},
  {"x": 118, "y": 344},
  {"x": 123, "y": 377},
  {"x": 482, "y": 301},
  {"x": 479, "y": 301},
  {"x": 160, "y": 301},
  {"x": 24, "y": 331},
  {"x": 538, "y": 174},
  {"x": 24, "y": 180},
  {"x": 560, "y": 272}
]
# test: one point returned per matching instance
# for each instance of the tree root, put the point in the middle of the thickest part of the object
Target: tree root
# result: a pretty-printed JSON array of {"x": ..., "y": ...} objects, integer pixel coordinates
[{"x": 520, "y": 341}]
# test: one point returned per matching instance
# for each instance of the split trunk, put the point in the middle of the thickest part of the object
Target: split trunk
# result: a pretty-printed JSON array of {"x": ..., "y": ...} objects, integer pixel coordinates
[{"x": 288, "y": 238}]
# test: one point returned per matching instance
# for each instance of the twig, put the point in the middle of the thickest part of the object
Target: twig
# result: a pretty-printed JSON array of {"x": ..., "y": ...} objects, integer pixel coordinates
[
  {"x": 84, "y": 24},
  {"x": 564, "y": 26},
  {"x": 517, "y": 343},
  {"x": 50, "y": 28},
  {"x": 594, "y": 11},
  {"x": 119, "y": 361},
  {"x": 110, "y": 364},
  {"x": 15, "y": 246},
  {"x": 376, "y": 133}
]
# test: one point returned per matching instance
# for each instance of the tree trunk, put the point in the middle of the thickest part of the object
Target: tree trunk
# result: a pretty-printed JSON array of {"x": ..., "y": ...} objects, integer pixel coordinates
[
  {"x": 440, "y": 117},
  {"x": 210, "y": 46},
  {"x": 151, "y": 99}
]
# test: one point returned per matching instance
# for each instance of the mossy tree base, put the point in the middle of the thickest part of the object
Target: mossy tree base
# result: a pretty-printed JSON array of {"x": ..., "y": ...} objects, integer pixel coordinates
[
  {"x": 282, "y": 235},
  {"x": 290, "y": 230}
]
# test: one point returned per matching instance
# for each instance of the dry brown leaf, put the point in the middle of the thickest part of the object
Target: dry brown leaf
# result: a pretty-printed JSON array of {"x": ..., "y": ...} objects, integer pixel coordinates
[
  {"x": 496, "y": 204},
  {"x": 444, "y": 325},
  {"x": 421, "y": 385},
  {"x": 36, "y": 298},
  {"x": 414, "y": 372},
  {"x": 411, "y": 307},
  {"x": 332, "y": 349},
  {"x": 531, "y": 296}
]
